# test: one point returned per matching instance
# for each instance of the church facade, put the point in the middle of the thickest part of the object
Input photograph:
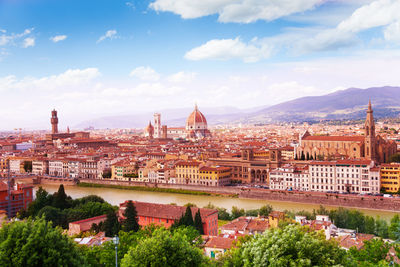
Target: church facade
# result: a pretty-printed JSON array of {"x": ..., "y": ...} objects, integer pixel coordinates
[{"x": 369, "y": 146}]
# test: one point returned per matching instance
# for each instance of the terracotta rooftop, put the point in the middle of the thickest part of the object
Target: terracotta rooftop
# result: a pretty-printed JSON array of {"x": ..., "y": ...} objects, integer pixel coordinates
[
  {"x": 335, "y": 138},
  {"x": 220, "y": 242},
  {"x": 165, "y": 211}
]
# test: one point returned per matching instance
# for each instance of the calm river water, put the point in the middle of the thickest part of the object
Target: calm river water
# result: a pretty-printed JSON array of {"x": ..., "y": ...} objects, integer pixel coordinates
[{"x": 116, "y": 196}]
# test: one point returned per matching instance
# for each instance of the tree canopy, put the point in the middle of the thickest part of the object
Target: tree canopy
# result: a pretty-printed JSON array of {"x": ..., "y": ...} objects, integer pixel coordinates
[
  {"x": 165, "y": 248},
  {"x": 291, "y": 246},
  {"x": 37, "y": 243}
]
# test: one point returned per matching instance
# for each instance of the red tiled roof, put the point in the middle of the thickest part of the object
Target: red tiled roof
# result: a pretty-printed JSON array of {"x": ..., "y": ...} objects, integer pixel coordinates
[
  {"x": 220, "y": 242},
  {"x": 90, "y": 219},
  {"x": 334, "y": 138},
  {"x": 166, "y": 211}
]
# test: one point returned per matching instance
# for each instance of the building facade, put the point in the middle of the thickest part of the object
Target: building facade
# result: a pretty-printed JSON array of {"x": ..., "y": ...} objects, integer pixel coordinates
[
  {"x": 165, "y": 215},
  {"x": 369, "y": 146},
  {"x": 390, "y": 177}
]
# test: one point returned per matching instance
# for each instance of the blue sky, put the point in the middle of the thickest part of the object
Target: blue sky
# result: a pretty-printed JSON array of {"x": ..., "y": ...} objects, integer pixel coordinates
[{"x": 89, "y": 58}]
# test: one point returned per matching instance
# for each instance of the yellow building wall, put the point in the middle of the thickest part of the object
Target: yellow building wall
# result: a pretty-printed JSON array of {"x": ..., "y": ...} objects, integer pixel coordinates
[{"x": 390, "y": 178}]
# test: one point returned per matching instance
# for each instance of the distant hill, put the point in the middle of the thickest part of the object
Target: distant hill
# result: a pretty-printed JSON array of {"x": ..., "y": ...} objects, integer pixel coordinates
[{"x": 344, "y": 104}]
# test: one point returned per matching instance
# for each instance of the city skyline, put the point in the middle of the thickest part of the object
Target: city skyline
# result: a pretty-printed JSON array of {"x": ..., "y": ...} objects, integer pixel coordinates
[{"x": 121, "y": 57}]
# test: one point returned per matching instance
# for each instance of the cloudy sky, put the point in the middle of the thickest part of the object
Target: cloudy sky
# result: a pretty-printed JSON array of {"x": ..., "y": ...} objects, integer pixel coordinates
[{"x": 89, "y": 58}]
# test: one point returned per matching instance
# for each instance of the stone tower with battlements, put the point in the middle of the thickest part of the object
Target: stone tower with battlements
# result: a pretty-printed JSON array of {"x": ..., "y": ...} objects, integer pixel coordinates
[{"x": 54, "y": 122}]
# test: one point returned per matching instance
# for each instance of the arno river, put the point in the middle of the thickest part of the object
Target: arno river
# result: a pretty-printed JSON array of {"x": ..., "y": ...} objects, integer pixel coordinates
[{"x": 117, "y": 196}]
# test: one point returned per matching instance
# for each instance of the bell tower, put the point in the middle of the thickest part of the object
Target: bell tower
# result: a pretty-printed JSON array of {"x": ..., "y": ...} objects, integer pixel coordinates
[
  {"x": 157, "y": 125},
  {"x": 370, "y": 145},
  {"x": 54, "y": 122}
]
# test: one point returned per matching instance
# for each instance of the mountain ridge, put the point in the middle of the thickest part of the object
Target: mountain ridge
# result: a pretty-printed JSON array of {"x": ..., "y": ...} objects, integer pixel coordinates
[{"x": 344, "y": 104}]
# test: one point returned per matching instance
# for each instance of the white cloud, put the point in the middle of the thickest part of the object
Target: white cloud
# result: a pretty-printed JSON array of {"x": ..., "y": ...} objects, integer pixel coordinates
[
  {"x": 9, "y": 39},
  {"x": 130, "y": 5},
  {"x": 110, "y": 34},
  {"x": 331, "y": 39},
  {"x": 182, "y": 77},
  {"x": 143, "y": 90},
  {"x": 30, "y": 41},
  {"x": 241, "y": 11},
  {"x": 3, "y": 31},
  {"x": 375, "y": 14},
  {"x": 145, "y": 74},
  {"x": 224, "y": 49},
  {"x": 371, "y": 15},
  {"x": 72, "y": 77},
  {"x": 392, "y": 32},
  {"x": 58, "y": 38}
]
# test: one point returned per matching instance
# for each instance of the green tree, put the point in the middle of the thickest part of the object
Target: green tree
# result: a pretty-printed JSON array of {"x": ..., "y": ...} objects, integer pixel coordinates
[
  {"x": 265, "y": 210},
  {"x": 104, "y": 255},
  {"x": 111, "y": 225},
  {"x": 373, "y": 252},
  {"x": 198, "y": 224},
  {"x": 189, "y": 204},
  {"x": 236, "y": 212},
  {"x": 55, "y": 215},
  {"x": 165, "y": 249},
  {"x": 223, "y": 214},
  {"x": 60, "y": 198},
  {"x": 369, "y": 225},
  {"x": 188, "y": 217},
  {"x": 381, "y": 228},
  {"x": 130, "y": 223},
  {"x": 37, "y": 243},
  {"x": 43, "y": 198},
  {"x": 291, "y": 246},
  {"x": 394, "y": 227}
]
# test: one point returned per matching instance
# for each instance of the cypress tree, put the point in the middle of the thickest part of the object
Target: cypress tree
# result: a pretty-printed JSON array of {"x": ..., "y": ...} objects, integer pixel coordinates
[
  {"x": 111, "y": 225},
  {"x": 188, "y": 218},
  {"x": 130, "y": 223},
  {"x": 198, "y": 223},
  {"x": 60, "y": 198}
]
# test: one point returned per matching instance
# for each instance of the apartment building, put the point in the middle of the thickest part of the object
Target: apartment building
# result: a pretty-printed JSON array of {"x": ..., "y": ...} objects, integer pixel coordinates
[
  {"x": 289, "y": 177},
  {"x": 187, "y": 172},
  {"x": 40, "y": 167},
  {"x": 214, "y": 176},
  {"x": 344, "y": 176},
  {"x": 56, "y": 168},
  {"x": 390, "y": 177}
]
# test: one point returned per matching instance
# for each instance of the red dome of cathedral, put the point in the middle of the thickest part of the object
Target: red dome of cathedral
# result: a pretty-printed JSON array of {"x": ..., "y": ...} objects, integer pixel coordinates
[{"x": 196, "y": 120}]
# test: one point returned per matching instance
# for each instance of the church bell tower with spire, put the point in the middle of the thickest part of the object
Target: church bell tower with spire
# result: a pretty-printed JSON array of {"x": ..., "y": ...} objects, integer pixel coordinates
[{"x": 370, "y": 141}]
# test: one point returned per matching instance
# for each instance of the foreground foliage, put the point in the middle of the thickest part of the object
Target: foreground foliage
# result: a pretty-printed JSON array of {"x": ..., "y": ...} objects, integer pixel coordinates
[
  {"x": 37, "y": 243},
  {"x": 61, "y": 209},
  {"x": 165, "y": 248},
  {"x": 291, "y": 246}
]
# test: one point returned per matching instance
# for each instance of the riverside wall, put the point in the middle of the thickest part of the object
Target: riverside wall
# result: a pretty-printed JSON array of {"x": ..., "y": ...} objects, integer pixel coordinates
[{"x": 347, "y": 200}]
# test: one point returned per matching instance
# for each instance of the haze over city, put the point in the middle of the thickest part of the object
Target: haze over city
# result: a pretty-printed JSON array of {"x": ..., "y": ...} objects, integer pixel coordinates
[{"x": 96, "y": 58}]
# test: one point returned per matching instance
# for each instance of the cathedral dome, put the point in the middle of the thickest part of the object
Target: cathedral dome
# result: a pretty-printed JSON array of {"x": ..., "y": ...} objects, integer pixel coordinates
[{"x": 196, "y": 120}]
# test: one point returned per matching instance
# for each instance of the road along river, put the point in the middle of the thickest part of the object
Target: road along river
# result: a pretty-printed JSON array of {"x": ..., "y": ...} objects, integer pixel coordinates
[{"x": 117, "y": 196}]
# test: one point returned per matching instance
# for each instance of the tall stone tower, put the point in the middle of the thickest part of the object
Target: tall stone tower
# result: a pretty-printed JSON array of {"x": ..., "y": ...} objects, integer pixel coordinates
[
  {"x": 157, "y": 125},
  {"x": 54, "y": 122},
  {"x": 370, "y": 142}
]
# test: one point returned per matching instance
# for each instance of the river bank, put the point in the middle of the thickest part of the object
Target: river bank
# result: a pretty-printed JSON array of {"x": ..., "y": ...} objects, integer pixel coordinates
[
  {"x": 314, "y": 198},
  {"x": 117, "y": 196},
  {"x": 154, "y": 189}
]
